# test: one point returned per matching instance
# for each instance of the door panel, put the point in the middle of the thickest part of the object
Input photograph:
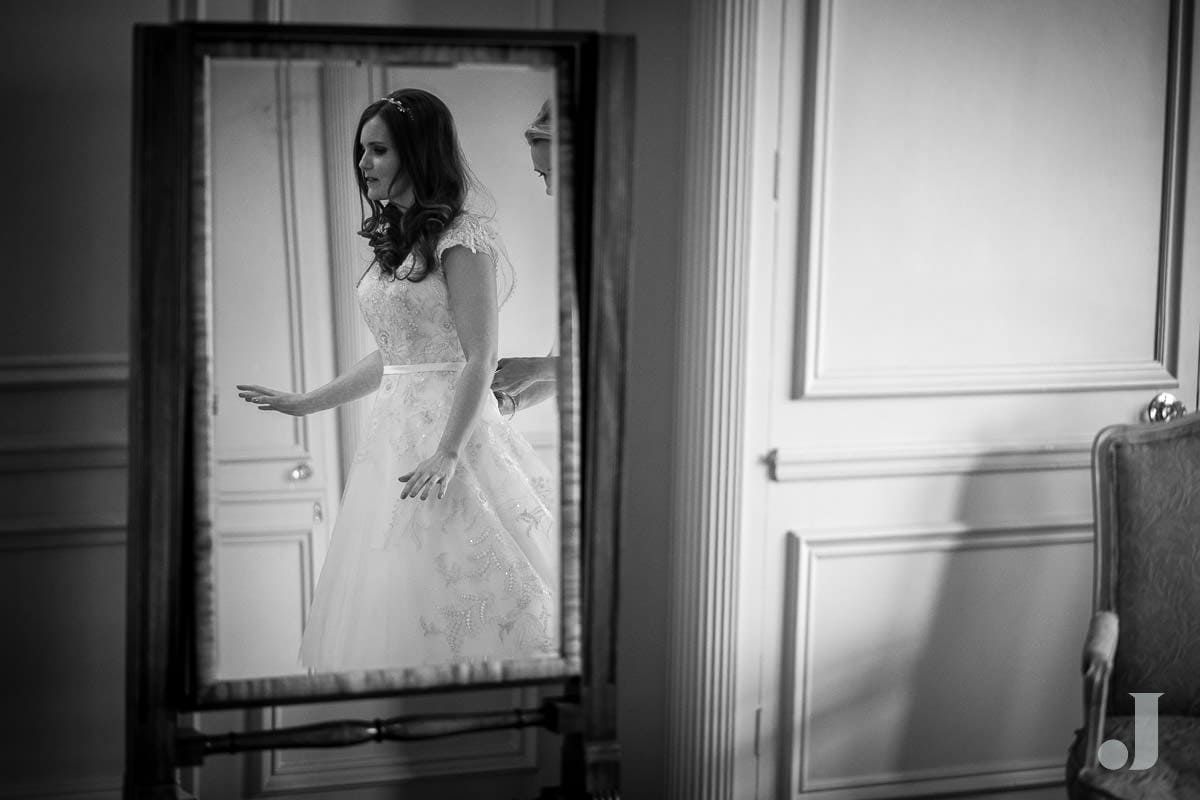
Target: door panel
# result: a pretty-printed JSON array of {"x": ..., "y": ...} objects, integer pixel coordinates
[
  {"x": 277, "y": 476},
  {"x": 919, "y": 107},
  {"x": 893, "y": 665},
  {"x": 982, "y": 259},
  {"x": 261, "y": 619}
]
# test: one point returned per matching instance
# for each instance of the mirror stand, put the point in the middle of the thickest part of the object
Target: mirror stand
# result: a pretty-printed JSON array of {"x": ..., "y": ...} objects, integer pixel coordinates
[
  {"x": 193, "y": 746},
  {"x": 590, "y": 769},
  {"x": 164, "y": 478}
]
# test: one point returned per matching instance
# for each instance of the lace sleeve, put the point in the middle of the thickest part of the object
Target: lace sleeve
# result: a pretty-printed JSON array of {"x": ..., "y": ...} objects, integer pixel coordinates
[{"x": 477, "y": 234}]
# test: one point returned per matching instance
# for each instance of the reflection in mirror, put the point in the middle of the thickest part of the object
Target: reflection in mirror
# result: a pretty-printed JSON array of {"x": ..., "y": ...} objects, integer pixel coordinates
[{"x": 385, "y": 496}]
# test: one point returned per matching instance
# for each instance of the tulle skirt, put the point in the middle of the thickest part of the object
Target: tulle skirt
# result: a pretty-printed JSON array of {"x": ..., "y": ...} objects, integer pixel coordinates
[{"x": 471, "y": 577}]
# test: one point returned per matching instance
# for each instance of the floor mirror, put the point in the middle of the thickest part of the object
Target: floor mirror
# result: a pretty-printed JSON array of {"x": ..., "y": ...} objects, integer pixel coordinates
[{"x": 330, "y": 539}]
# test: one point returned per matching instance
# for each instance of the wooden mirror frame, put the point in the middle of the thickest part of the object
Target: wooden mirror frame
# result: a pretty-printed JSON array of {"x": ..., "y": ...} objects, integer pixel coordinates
[{"x": 161, "y": 679}]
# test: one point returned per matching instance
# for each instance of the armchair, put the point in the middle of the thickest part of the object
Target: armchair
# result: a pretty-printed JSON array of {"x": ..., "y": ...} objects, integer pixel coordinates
[{"x": 1144, "y": 635}]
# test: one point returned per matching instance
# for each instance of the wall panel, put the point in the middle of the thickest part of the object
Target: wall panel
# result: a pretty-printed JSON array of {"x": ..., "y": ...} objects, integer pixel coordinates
[
  {"x": 64, "y": 335},
  {"x": 957, "y": 621},
  {"x": 969, "y": 273}
]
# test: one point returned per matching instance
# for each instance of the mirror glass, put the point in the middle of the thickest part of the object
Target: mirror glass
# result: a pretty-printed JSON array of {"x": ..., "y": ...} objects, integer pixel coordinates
[{"x": 315, "y": 562}]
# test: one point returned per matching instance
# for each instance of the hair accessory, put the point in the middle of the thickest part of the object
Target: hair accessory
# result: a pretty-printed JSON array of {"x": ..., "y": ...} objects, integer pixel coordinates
[
  {"x": 399, "y": 104},
  {"x": 541, "y": 129}
]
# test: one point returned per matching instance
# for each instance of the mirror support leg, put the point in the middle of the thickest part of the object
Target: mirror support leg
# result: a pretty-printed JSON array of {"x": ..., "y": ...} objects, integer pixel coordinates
[
  {"x": 591, "y": 759},
  {"x": 158, "y": 408}
]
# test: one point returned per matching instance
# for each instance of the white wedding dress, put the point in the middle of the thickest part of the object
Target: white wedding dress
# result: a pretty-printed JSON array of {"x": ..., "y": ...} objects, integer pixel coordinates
[{"x": 471, "y": 577}]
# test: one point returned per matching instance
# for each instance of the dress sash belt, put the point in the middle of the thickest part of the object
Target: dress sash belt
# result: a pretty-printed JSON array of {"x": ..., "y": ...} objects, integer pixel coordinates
[{"x": 434, "y": 366}]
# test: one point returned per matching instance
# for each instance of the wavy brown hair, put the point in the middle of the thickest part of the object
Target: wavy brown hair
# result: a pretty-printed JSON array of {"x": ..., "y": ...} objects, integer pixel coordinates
[{"x": 426, "y": 142}]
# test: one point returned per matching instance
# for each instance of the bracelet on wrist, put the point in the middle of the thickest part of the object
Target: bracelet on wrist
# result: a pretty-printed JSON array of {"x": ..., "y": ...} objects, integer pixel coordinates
[{"x": 504, "y": 397}]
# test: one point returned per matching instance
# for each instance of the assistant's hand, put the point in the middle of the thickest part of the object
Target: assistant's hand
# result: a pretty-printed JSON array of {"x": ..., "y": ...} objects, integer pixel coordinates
[
  {"x": 515, "y": 375},
  {"x": 438, "y": 470},
  {"x": 295, "y": 404}
]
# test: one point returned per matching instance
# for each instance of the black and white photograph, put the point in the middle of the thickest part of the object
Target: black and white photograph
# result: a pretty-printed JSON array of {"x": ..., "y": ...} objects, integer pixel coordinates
[{"x": 601, "y": 400}]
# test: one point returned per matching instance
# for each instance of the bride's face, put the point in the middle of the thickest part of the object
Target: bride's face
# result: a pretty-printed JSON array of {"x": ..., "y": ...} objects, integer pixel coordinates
[{"x": 380, "y": 164}]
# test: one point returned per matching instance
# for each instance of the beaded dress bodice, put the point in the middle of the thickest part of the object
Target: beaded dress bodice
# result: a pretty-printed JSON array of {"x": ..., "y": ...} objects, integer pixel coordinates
[{"x": 411, "y": 320}]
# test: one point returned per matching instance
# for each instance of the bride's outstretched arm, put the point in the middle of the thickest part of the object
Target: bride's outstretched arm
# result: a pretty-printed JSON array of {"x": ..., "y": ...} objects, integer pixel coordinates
[
  {"x": 471, "y": 281},
  {"x": 358, "y": 381}
]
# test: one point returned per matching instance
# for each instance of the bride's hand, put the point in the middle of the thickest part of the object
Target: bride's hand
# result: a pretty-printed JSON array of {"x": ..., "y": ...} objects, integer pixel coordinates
[
  {"x": 266, "y": 399},
  {"x": 438, "y": 469}
]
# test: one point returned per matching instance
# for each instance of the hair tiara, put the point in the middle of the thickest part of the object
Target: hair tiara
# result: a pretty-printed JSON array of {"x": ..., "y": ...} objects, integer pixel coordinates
[{"x": 399, "y": 104}]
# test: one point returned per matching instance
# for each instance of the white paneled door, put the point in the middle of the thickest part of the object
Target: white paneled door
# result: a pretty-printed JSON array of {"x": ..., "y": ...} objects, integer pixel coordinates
[
  {"x": 278, "y": 479},
  {"x": 988, "y": 248}
]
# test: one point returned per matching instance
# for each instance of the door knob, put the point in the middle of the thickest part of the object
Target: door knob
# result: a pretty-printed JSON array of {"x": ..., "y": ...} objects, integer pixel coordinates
[
  {"x": 300, "y": 472},
  {"x": 1165, "y": 407}
]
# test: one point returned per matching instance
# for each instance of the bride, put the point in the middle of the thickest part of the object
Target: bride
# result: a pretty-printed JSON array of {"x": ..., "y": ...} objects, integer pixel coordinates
[{"x": 445, "y": 550}]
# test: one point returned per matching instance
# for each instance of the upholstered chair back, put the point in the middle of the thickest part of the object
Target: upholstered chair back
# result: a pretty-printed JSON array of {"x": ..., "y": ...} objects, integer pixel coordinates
[{"x": 1148, "y": 560}]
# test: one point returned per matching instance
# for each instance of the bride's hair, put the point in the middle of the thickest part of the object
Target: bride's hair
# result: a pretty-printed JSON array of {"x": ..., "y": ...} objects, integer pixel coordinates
[{"x": 426, "y": 142}]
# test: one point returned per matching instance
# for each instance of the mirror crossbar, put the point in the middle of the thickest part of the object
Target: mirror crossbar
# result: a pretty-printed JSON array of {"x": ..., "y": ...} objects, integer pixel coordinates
[{"x": 193, "y": 746}]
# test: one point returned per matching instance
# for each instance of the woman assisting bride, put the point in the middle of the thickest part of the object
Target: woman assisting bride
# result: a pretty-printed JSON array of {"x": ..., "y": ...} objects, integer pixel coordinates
[{"x": 446, "y": 546}]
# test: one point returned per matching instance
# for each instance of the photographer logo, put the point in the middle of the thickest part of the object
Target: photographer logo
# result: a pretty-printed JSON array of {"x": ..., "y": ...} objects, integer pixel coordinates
[{"x": 1114, "y": 754}]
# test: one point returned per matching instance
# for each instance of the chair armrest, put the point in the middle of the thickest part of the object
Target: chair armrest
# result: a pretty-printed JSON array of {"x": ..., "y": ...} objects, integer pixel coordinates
[
  {"x": 1101, "y": 643},
  {"x": 1098, "y": 652}
]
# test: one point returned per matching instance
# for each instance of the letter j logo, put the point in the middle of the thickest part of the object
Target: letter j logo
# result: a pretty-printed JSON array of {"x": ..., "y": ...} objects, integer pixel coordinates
[{"x": 1113, "y": 754}]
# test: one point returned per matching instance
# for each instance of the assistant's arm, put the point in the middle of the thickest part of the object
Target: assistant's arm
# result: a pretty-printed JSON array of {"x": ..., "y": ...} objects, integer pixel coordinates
[{"x": 530, "y": 396}]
